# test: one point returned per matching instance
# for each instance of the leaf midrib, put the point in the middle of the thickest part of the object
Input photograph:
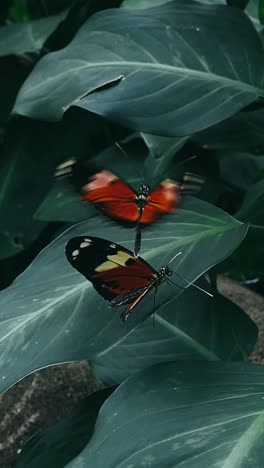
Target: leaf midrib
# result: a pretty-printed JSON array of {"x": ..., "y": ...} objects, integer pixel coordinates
[{"x": 161, "y": 67}]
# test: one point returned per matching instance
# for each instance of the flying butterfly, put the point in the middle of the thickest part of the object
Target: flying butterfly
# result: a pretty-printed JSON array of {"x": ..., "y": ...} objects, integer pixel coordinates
[
  {"x": 119, "y": 201},
  {"x": 115, "y": 273}
]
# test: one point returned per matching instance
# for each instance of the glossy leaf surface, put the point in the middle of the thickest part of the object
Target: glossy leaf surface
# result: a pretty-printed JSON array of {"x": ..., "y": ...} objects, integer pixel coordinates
[
  {"x": 52, "y": 314},
  {"x": 182, "y": 414},
  {"x": 152, "y": 69}
]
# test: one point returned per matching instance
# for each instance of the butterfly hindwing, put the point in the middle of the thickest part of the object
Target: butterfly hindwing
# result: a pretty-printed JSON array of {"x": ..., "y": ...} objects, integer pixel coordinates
[
  {"x": 162, "y": 200},
  {"x": 112, "y": 269}
]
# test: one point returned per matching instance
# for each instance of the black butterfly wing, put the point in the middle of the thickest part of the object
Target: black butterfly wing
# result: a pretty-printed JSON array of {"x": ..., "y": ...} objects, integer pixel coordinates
[{"x": 112, "y": 269}]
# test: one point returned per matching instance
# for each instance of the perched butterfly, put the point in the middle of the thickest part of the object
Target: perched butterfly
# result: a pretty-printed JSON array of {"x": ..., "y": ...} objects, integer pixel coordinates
[
  {"x": 114, "y": 271},
  {"x": 116, "y": 199}
]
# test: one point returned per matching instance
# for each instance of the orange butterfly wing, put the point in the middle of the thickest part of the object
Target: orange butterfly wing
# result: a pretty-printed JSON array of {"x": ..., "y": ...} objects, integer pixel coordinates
[
  {"x": 162, "y": 200},
  {"x": 112, "y": 196}
]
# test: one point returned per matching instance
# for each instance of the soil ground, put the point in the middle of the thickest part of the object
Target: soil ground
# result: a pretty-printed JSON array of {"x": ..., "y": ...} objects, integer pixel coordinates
[{"x": 46, "y": 396}]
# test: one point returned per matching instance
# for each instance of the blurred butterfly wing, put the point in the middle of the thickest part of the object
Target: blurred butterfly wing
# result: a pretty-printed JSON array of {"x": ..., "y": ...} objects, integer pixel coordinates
[
  {"x": 112, "y": 196},
  {"x": 111, "y": 268},
  {"x": 162, "y": 200}
]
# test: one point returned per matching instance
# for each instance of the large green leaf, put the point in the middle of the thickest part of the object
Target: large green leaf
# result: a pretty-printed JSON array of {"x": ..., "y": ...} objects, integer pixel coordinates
[
  {"x": 214, "y": 329},
  {"x": 174, "y": 81},
  {"x": 28, "y": 37},
  {"x": 51, "y": 314},
  {"x": 182, "y": 414},
  {"x": 58, "y": 444}
]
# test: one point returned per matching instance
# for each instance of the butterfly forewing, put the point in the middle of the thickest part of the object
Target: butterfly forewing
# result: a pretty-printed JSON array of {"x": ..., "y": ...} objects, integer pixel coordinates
[
  {"x": 113, "y": 269},
  {"x": 117, "y": 200},
  {"x": 112, "y": 196}
]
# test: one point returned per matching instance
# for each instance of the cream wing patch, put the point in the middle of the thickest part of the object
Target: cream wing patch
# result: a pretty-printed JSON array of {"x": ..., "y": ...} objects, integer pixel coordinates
[
  {"x": 115, "y": 261},
  {"x": 86, "y": 243}
]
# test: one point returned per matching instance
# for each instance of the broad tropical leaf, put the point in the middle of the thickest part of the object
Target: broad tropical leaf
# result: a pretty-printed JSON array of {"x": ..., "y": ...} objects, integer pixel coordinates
[
  {"x": 57, "y": 445},
  {"x": 214, "y": 329},
  {"x": 52, "y": 314},
  {"x": 182, "y": 414},
  {"x": 152, "y": 70}
]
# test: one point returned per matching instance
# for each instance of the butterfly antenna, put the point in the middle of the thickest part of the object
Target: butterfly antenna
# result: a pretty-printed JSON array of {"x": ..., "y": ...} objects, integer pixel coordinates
[
  {"x": 191, "y": 284},
  {"x": 126, "y": 155}
]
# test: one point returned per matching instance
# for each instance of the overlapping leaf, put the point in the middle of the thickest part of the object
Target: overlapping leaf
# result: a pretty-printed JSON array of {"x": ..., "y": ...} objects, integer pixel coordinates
[
  {"x": 29, "y": 36},
  {"x": 57, "y": 445},
  {"x": 182, "y": 414},
  {"x": 195, "y": 326}
]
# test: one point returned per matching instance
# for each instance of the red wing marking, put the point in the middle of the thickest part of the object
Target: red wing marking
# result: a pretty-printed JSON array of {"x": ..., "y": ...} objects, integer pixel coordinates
[
  {"x": 162, "y": 200},
  {"x": 112, "y": 196},
  {"x": 122, "y": 280}
]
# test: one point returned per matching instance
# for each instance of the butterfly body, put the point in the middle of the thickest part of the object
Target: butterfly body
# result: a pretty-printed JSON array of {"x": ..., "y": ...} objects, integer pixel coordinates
[
  {"x": 115, "y": 273},
  {"x": 142, "y": 199}
]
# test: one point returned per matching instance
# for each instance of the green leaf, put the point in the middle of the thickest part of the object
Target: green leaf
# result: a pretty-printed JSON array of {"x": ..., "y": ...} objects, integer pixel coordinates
[
  {"x": 143, "y": 3},
  {"x": 174, "y": 81},
  {"x": 215, "y": 329},
  {"x": 32, "y": 152},
  {"x": 30, "y": 36},
  {"x": 182, "y": 414},
  {"x": 58, "y": 444},
  {"x": 162, "y": 151},
  {"x": 52, "y": 314},
  {"x": 64, "y": 204}
]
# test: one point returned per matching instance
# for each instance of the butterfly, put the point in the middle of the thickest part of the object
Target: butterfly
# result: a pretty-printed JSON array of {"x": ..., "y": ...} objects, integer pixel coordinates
[
  {"x": 119, "y": 201},
  {"x": 115, "y": 273}
]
